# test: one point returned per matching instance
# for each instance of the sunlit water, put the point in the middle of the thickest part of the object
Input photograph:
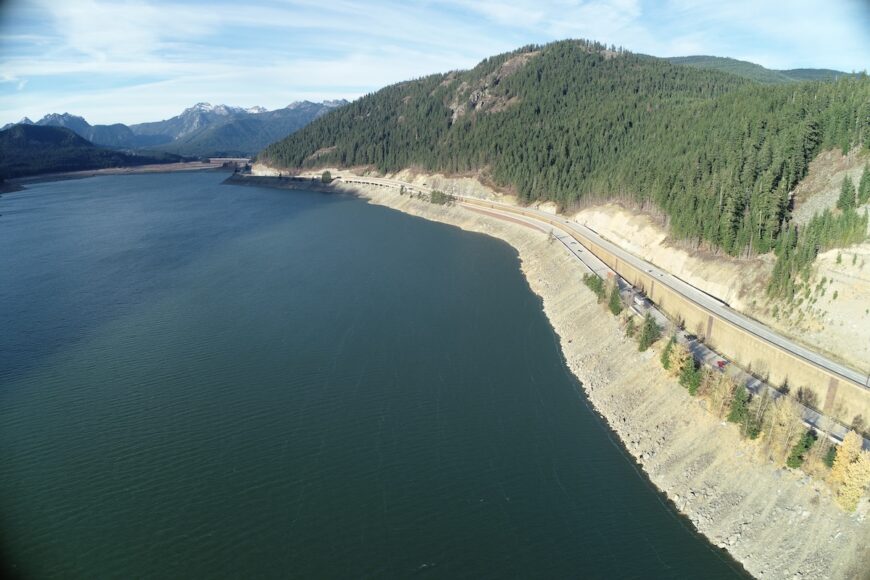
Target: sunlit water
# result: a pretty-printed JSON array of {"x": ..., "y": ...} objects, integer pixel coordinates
[{"x": 200, "y": 380}]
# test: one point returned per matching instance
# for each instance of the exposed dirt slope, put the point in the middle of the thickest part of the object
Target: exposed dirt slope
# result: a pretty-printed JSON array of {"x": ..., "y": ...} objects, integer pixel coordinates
[
  {"x": 838, "y": 326},
  {"x": 731, "y": 280},
  {"x": 821, "y": 187}
]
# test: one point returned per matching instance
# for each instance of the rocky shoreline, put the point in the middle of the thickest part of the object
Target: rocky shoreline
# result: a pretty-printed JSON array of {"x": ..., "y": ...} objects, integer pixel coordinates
[{"x": 778, "y": 523}]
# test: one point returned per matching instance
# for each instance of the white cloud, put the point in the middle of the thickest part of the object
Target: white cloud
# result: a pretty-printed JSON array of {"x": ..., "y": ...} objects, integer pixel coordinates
[
  {"x": 141, "y": 59},
  {"x": 105, "y": 30}
]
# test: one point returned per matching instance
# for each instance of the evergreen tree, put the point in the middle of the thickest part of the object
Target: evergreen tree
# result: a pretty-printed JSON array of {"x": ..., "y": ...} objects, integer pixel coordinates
[
  {"x": 690, "y": 377},
  {"x": 830, "y": 456},
  {"x": 799, "y": 451},
  {"x": 649, "y": 333},
  {"x": 615, "y": 301},
  {"x": 864, "y": 186},
  {"x": 666, "y": 352},
  {"x": 846, "y": 201},
  {"x": 595, "y": 284},
  {"x": 722, "y": 393},
  {"x": 739, "y": 406}
]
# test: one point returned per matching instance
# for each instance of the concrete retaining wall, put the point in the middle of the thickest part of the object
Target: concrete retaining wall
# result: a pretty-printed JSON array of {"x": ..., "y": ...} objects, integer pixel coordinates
[{"x": 835, "y": 396}]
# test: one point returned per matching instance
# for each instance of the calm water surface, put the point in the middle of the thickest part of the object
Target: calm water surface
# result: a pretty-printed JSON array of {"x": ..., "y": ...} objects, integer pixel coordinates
[{"x": 200, "y": 381}]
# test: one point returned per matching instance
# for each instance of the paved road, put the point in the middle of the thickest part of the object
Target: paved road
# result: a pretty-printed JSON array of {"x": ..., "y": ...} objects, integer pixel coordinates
[
  {"x": 691, "y": 293},
  {"x": 701, "y": 352}
]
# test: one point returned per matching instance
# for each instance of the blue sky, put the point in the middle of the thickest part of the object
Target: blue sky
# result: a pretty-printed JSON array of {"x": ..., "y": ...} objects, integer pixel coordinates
[{"x": 145, "y": 60}]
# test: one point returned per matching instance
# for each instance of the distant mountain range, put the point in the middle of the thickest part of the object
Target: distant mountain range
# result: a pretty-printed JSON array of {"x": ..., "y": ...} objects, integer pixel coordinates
[
  {"x": 756, "y": 72},
  {"x": 201, "y": 130},
  {"x": 30, "y": 149}
]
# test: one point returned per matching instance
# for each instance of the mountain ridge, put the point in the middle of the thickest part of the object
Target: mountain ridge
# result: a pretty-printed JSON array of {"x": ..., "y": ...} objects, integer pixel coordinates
[
  {"x": 714, "y": 153},
  {"x": 31, "y": 149},
  {"x": 200, "y": 130},
  {"x": 756, "y": 72}
]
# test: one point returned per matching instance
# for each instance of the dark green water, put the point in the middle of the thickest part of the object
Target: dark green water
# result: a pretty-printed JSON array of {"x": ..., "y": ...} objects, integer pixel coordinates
[{"x": 203, "y": 381}]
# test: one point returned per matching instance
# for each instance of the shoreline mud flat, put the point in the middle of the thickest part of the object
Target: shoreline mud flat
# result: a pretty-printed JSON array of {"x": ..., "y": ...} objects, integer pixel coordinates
[{"x": 778, "y": 523}]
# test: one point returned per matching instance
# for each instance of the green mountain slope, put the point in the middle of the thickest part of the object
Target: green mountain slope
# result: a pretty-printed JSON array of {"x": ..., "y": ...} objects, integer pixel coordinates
[
  {"x": 717, "y": 154},
  {"x": 756, "y": 72},
  {"x": 33, "y": 149},
  {"x": 814, "y": 74}
]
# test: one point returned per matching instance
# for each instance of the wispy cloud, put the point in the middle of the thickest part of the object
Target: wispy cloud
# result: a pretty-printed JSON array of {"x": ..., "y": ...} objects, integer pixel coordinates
[{"x": 145, "y": 59}]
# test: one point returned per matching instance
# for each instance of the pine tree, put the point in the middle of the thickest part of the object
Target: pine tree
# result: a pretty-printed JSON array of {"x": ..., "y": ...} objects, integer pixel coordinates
[
  {"x": 649, "y": 333},
  {"x": 615, "y": 302},
  {"x": 847, "y": 452},
  {"x": 799, "y": 451},
  {"x": 666, "y": 352},
  {"x": 846, "y": 200},
  {"x": 755, "y": 416},
  {"x": 830, "y": 456},
  {"x": 739, "y": 406},
  {"x": 690, "y": 376},
  {"x": 864, "y": 186},
  {"x": 856, "y": 479},
  {"x": 722, "y": 393}
]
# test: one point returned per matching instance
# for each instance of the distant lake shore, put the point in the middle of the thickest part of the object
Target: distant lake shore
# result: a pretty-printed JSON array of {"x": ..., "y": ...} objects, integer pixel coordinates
[{"x": 129, "y": 170}]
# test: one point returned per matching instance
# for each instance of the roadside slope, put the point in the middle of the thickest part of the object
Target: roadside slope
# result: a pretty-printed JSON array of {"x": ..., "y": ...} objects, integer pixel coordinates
[{"x": 837, "y": 326}]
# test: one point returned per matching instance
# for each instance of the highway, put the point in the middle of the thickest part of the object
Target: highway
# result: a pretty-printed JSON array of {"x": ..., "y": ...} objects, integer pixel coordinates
[
  {"x": 585, "y": 234},
  {"x": 706, "y": 301},
  {"x": 834, "y": 430}
]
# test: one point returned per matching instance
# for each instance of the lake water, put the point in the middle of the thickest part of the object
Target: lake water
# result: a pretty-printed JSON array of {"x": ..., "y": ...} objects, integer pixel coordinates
[{"x": 200, "y": 380}]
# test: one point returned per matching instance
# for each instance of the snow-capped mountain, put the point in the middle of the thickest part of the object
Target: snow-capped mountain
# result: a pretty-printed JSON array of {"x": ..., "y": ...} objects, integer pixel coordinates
[
  {"x": 23, "y": 121},
  {"x": 203, "y": 129}
]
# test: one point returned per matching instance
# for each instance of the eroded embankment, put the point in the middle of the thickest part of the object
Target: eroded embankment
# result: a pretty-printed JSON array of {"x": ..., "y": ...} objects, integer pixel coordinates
[{"x": 778, "y": 523}]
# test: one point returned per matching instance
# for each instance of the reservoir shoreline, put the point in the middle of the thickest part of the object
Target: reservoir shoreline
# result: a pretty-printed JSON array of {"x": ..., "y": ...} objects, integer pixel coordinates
[
  {"x": 777, "y": 523},
  {"x": 17, "y": 183}
]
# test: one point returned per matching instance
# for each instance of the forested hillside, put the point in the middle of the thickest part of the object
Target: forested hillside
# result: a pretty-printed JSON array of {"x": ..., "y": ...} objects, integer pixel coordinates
[
  {"x": 756, "y": 72},
  {"x": 33, "y": 149},
  {"x": 716, "y": 153}
]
